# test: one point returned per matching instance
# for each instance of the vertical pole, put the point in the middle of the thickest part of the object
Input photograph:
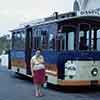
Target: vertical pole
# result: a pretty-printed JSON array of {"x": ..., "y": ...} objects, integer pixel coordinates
[
  {"x": 89, "y": 37},
  {"x": 77, "y": 37},
  {"x": 28, "y": 50},
  {"x": 85, "y": 35},
  {"x": 95, "y": 39},
  {"x": 9, "y": 59},
  {"x": 12, "y": 41},
  {"x": 9, "y": 51},
  {"x": 66, "y": 40}
]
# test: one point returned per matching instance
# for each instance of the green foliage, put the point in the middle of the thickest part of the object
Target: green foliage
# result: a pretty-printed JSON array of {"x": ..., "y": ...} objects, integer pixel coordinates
[{"x": 4, "y": 44}]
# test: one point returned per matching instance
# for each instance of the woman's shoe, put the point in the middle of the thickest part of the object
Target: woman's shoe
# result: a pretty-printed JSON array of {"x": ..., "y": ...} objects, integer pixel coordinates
[
  {"x": 37, "y": 95},
  {"x": 40, "y": 94}
]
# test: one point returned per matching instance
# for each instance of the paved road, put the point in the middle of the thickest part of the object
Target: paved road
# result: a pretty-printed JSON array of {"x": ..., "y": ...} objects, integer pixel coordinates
[{"x": 12, "y": 88}]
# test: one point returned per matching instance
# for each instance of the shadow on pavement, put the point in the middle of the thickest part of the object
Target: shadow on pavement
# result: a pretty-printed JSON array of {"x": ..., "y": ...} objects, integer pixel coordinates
[
  {"x": 70, "y": 89},
  {"x": 21, "y": 77}
]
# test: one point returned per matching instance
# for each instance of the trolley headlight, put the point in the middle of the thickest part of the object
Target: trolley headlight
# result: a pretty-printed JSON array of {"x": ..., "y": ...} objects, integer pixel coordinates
[{"x": 94, "y": 72}]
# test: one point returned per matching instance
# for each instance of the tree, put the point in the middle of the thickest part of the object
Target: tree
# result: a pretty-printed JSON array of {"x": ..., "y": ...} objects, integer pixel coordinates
[{"x": 4, "y": 43}]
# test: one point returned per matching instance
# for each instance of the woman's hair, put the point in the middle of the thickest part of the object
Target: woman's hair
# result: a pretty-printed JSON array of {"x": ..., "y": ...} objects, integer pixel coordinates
[{"x": 39, "y": 49}]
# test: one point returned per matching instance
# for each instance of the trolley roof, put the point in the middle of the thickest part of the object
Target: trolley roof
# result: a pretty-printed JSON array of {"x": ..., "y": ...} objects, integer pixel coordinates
[{"x": 76, "y": 19}]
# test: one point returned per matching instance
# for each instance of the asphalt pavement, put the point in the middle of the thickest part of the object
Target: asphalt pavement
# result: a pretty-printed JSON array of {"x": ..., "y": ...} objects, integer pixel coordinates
[{"x": 15, "y": 88}]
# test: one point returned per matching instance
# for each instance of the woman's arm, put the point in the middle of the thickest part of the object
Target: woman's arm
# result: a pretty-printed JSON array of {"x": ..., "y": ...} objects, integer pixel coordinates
[
  {"x": 42, "y": 60},
  {"x": 32, "y": 66}
]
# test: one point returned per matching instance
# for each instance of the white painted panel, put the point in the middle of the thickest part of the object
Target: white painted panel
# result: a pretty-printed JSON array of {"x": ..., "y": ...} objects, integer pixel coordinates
[
  {"x": 22, "y": 71},
  {"x": 4, "y": 60},
  {"x": 14, "y": 69},
  {"x": 52, "y": 79},
  {"x": 83, "y": 70}
]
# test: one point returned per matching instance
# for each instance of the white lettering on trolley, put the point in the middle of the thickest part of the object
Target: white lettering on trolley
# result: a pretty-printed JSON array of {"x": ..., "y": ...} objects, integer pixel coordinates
[
  {"x": 91, "y": 12},
  {"x": 70, "y": 69}
]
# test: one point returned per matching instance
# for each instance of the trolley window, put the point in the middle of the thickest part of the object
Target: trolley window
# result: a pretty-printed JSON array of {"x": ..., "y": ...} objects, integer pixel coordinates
[
  {"x": 44, "y": 36},
  {"x": 36, "y": 38},
  {"x": 66, "y": 39},
  {"x": 87, "y": 37},
  {"x": 83, "y": 40},
  {"x": 89, "y": 40},
  {"x": 60, "y": 42},
  {"x": 71, "y": 41},
  {"x": 51, "y": 41},
  {"x": 18, "y": 40},
  {"x": 40, "y": 38},
  {"x": 98, "y": 40},
  {"x": 44, "y": 39}
]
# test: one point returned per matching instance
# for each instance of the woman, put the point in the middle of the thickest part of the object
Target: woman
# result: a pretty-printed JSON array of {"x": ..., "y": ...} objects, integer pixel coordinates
[{"x": 38, "y": 72}]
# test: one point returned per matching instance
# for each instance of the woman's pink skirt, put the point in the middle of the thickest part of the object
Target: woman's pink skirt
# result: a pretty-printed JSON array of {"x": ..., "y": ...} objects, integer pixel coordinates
[{"x": 39, "y": 76}]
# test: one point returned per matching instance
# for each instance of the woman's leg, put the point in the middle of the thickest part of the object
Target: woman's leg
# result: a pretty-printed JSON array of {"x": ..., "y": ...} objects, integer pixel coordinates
[
  {"x": 40, "y": 90},
  {"x": 36, "y": 90}
]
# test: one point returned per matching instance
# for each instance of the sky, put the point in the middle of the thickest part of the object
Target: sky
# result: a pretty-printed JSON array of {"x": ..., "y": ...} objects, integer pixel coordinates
[{"x": 15, "y": 12}]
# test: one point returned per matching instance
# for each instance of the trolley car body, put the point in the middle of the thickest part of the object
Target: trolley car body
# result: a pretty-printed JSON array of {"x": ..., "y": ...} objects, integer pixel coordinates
[{"x": 68, "y": 62}]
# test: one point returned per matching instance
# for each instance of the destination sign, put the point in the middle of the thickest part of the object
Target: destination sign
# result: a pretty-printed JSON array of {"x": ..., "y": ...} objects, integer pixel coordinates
[{"x": 92, "y": 12}]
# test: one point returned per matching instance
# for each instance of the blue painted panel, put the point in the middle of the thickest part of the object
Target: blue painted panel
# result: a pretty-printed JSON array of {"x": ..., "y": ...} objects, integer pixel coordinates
[
  {"x": 17, "y": 54},
  {"x": 81, "y": 55},
  {"x": 49, "y": 56},
  {"x": 52, "y": 57}
]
